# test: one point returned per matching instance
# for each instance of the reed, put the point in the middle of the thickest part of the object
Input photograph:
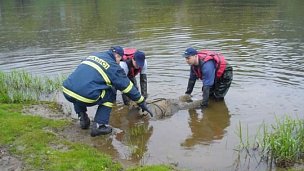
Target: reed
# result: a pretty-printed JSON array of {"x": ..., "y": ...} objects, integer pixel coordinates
[
  {"x": 240, "y": 133},
  {"x": 19, "y": 86},
  {"x": 281, "y": 143}
]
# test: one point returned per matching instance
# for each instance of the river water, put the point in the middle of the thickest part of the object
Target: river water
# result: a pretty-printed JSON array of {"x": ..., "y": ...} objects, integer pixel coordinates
[{"x": 262, "y": 40}]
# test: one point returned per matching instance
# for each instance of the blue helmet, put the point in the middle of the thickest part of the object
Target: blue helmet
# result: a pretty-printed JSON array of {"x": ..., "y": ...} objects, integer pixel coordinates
[
  {"x": 117, "y": 49},
  {"x": 140, "y": 57}
]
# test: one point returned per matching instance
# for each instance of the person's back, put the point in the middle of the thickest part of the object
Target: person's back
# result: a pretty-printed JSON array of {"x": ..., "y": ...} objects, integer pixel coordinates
[
  {"x": 88, "y": 79},
  {"x": 94, "y": 82}
]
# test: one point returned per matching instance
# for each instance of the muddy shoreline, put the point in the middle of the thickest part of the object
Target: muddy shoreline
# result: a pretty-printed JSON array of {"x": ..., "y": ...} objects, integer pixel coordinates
[
  {"x": 72, "y": 132},
  {"x": 9, "y": 162}
]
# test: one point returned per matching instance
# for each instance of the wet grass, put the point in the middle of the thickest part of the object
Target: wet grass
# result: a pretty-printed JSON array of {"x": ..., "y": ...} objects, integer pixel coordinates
[
  {"x": 281, "y": 144},
  {"x": 284, "y": 143},
  {"x": 34, "y": 140},
  {"x": 21, "y": 86}
]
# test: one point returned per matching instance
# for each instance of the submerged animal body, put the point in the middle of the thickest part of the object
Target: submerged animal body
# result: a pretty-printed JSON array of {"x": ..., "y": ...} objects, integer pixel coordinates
[{"x": 162, "y": 107}]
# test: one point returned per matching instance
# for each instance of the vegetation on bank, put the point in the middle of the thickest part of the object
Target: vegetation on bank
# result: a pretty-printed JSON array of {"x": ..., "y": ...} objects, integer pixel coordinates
[
  {"x": 281, "y": 144},
  {"x": 37, "y": 143},
  {"x": 21, "y": 86},
  {"x": 35, "y": 140}
]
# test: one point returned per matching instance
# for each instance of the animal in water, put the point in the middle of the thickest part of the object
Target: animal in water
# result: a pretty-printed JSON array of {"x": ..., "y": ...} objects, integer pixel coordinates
[{"x": 162, "y": 107}]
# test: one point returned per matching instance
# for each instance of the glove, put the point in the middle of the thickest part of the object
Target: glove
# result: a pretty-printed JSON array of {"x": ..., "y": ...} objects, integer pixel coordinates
[
  {"x": 205, "y": 100},
  {"x": 143, "y": 85},
  {"x": 190, "y": 86},
  {"x": 143, "y": 106}
]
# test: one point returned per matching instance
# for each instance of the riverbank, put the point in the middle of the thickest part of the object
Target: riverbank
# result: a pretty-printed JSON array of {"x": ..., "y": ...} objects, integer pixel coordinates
[{"x": 37, "y": 141}]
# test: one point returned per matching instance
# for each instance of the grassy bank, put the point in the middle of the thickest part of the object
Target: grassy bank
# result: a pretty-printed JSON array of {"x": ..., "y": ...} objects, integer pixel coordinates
[{"x": 35, "y": 140}]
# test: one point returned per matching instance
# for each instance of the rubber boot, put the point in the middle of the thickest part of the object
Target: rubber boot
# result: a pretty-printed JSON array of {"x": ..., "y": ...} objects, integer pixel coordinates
[
  {"x": 101, "y": 129},
  {"x": 84, "y": 120}
]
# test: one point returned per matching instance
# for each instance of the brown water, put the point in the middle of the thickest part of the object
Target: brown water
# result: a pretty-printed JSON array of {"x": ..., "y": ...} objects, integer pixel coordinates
[{"x": 262, "y": 40}]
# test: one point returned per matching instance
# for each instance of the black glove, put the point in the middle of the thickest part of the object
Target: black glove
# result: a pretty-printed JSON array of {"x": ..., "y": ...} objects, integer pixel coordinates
[
  {"x": 143, "y": 106},
  {"x": 190, "y": 86},
  {"x": 204, "y": 103},
  {"x": 143, "y": 85}
]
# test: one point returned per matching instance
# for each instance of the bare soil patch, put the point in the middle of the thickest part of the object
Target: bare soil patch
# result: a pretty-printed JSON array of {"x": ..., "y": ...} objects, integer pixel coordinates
[
  {"x": 52, "y": 111},
  {"x": 8, "y": 162}
]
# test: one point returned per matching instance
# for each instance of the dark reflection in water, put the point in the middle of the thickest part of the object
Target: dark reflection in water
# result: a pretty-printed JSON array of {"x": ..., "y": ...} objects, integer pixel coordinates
[{"x": 207, "y": 125}]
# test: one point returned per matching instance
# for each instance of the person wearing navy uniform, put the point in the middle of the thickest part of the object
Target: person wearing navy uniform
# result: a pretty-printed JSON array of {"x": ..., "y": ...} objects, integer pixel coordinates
[
  {"x": 95, "y": 82},
  {"x": 134, "y": 63},
  {"x": 214, "y": 71}
]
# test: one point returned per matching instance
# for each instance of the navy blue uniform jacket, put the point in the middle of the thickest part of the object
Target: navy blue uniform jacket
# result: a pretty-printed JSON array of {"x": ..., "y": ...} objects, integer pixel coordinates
[{"x": 96, "y": 73}]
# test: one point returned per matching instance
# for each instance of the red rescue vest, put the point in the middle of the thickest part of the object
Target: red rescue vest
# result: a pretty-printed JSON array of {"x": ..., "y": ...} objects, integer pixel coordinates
[
  {"x": 204, "y": 56},
  {"x": 128, "y": 56}
]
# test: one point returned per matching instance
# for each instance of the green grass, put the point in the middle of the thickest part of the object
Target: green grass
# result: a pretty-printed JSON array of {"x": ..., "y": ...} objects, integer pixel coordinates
[
  {"x": 34, "y": 139},
  {"x": 21, "y": 86},
  {"x": 284, "y": 142},
  {"x": 281, "y": 143}
]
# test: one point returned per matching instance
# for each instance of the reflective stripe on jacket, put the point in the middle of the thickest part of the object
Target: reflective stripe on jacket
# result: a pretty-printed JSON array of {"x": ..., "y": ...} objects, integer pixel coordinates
[{"x": 96, "y": 73}]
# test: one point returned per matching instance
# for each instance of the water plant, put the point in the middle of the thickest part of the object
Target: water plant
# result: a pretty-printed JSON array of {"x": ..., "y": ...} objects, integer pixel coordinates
[
  {"x": 281, "y": 143},
  {"x": 20, "y": 86}
]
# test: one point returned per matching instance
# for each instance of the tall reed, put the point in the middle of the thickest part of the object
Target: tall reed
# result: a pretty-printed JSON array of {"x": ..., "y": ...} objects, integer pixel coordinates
[
  {"x": 21, "y": 86},
  {"x": 281, "y": 144}
]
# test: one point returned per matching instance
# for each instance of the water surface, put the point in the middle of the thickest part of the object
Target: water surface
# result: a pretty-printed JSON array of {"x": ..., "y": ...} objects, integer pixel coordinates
[{"x": 262, "y": 40}]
